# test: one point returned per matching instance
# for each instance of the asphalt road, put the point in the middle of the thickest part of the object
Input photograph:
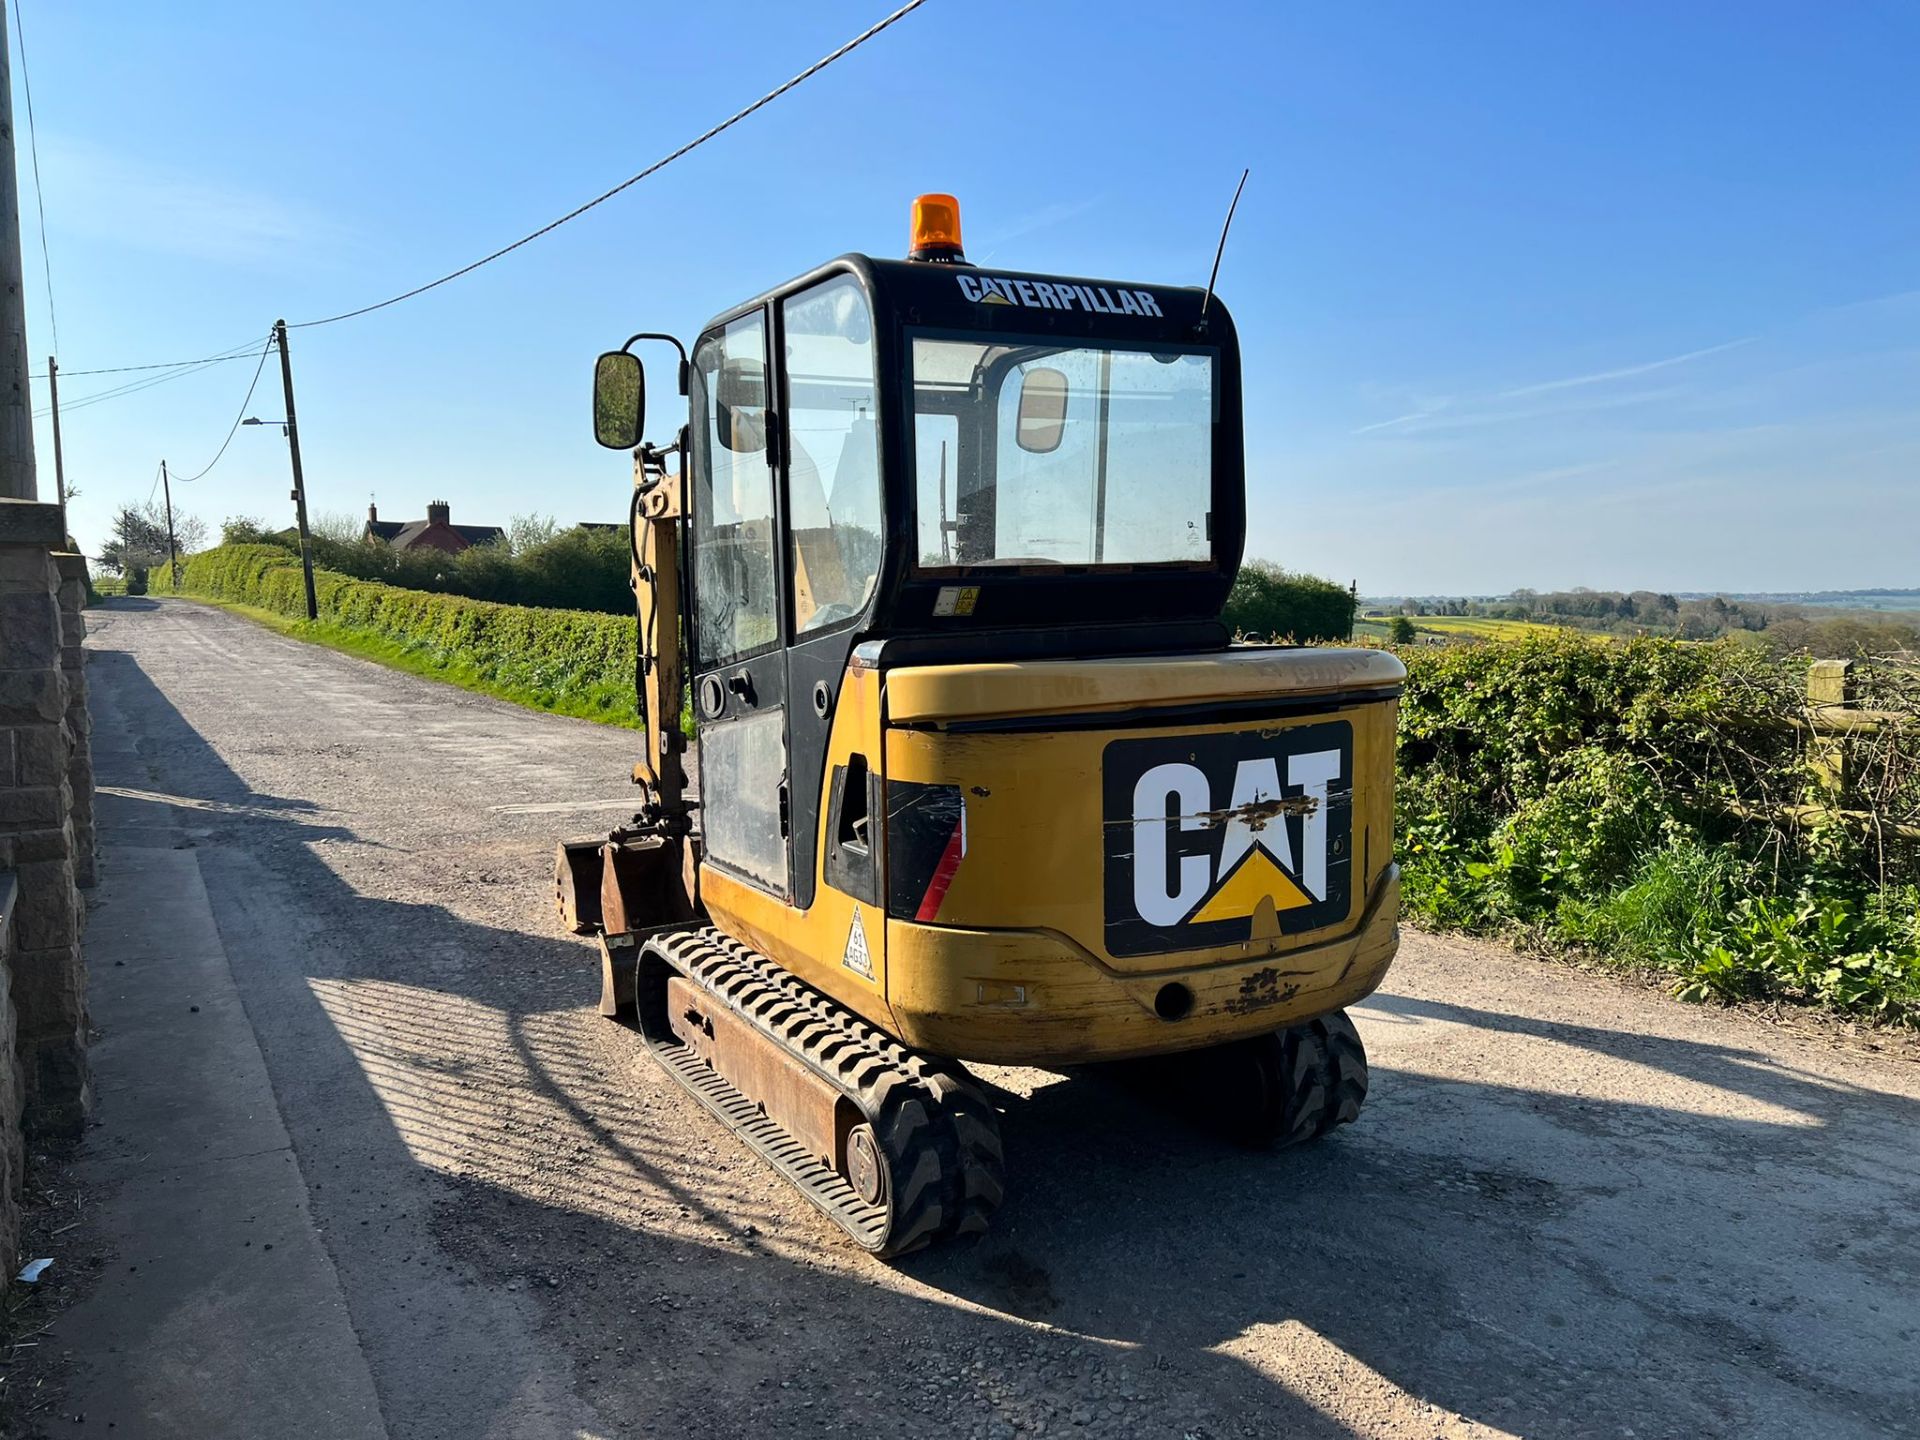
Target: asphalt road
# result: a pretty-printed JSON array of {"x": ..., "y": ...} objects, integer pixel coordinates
[{"x": 1572, "y": 1206}]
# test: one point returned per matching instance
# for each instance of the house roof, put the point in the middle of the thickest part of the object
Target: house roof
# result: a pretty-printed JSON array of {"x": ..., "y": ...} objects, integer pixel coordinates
[
  {"x": 406, "y": 534},
  {"x": 401, "y": 534}
]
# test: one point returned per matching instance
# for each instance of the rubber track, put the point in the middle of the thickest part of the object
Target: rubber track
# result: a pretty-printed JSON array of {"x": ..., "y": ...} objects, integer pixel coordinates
[
  {"x": 1323, "y": 1069},
  {"x": 940, "y": 1138}
]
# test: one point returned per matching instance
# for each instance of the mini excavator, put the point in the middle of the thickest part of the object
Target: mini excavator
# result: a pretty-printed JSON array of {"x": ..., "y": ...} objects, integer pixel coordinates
[{"x": 949, "y": 755}]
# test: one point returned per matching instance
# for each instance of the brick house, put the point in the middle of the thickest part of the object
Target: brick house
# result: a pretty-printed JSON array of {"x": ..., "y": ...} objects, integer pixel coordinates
[{"x": 436, "y": 532}]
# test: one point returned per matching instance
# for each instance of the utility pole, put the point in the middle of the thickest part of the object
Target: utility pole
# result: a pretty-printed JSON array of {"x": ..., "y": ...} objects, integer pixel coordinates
[
  {"x": 299, "y": 484},
  {"x": 173, "y": 550},
  {"x": 16, "y": 406},
  {"x": 59, "y": 463}
]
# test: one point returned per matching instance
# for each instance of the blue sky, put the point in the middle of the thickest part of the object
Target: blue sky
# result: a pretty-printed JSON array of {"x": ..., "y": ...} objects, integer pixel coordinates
[{"x": 1611, "y": 294}]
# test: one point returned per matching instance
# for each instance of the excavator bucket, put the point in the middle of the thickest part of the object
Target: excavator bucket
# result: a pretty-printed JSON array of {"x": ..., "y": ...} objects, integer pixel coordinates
[{"x": 576, "y": 883}]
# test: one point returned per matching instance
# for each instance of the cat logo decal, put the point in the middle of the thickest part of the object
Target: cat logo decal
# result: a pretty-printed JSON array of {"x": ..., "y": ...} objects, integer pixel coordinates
[{"x": 1219, "y": 839}]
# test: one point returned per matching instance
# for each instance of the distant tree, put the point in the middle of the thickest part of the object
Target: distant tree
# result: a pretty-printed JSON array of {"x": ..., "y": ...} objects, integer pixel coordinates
[
  {"x": 525, "y": 532},
  {"x": 488, "y": 572},
  {"x": 1269, "y": 601},
  {"x": 1401, "y": 631},
  {"x": 137, "y": 538},
  {"x": 580, "y": 569},
  {"x": 337, "y": 526},
  {"x": 243, "y": 530}
]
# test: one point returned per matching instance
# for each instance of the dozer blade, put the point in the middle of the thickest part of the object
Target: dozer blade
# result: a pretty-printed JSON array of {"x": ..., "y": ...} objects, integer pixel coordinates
[{"x": 896, "y": 1149}]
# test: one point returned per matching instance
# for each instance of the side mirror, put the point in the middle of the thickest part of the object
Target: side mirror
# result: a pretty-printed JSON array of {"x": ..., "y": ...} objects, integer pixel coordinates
[
  {"x": 619, "y": 400},
  {"x": 1043, "y": 411}
]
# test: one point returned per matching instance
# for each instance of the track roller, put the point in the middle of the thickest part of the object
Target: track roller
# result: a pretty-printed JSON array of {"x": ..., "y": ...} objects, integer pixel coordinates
[{"x": 897, "y": 1149}]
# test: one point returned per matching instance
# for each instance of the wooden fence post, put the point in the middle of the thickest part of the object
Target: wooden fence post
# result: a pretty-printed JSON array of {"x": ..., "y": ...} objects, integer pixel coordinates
[{"x": 1830, "y": 687}]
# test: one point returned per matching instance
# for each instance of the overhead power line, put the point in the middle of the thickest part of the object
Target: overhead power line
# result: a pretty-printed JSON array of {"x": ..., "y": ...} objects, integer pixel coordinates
[
  {"x": 234, "y": 429},
  {"x": 176, "y": 369},
  {"x": 658, "y": 165},
  {"x": 145, "y": 383},
  {"x": 39, "y": 199},
  {"x": 243, "y": 351}
]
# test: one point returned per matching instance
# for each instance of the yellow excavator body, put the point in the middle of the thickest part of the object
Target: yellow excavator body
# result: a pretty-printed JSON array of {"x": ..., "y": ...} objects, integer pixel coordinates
[
  {"x": 1010, "y": 960},
  {"x": 931, "y": 584}
]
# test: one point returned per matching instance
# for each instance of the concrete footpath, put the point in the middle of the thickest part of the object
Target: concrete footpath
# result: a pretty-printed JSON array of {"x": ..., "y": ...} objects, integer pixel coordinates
[{"x": 218, "y": 1312}]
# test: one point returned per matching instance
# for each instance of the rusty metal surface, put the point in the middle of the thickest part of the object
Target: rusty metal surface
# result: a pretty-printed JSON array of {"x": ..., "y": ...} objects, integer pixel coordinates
[
  {"x": 576, "y": 884},
  {"x": 792, "y": 1096},
  {"x": 619, "y": 958},
  {"x": 643, "y": 884}
]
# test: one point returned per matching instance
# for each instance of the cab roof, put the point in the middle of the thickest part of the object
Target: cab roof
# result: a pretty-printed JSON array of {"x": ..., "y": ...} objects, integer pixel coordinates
[{"x": 959, "y": 296}]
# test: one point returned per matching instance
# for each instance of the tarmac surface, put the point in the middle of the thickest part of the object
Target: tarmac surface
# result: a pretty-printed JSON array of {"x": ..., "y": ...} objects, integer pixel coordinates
[{"x": 1572, "y": 1206}]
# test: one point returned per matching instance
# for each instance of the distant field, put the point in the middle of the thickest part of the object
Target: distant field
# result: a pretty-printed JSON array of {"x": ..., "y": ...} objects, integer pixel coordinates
[
  {"x": 1478, "y": 625},
  {"x": 1454, "y": 626}
]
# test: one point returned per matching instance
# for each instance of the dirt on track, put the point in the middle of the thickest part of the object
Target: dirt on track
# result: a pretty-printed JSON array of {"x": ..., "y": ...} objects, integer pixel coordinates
[{"x": 1571, "y": 1207}]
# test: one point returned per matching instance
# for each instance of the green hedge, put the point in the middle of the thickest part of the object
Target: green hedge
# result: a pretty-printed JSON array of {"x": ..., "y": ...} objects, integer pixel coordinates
[
  {"x": 1617, "y": 796},
  {"x": 1268, "y": 603},
  {"x": 574, "y": 661},
  {"x": 576, "y": 569}
]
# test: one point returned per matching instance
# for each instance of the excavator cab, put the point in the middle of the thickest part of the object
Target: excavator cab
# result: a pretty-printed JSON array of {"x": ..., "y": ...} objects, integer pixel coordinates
[{"x": 935, "y": 567}]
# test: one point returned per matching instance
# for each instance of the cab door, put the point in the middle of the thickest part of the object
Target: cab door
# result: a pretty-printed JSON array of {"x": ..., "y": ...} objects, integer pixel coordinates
[
  {"x": 830, "y": 412},
  {"x": 739, "y": 663}
]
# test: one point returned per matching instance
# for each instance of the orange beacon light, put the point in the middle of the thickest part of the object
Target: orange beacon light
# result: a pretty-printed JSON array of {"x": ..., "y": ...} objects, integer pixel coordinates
[{"x": 936, "y": 230}]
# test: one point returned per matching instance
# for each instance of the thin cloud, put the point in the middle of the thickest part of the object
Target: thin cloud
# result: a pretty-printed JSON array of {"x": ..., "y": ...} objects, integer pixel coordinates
[
  {"x": 1873, "y": 302},
  {"x": 118, "y": 196},
  {"x": 1446, "y": 414},
  {"x": 1057, "y": 213},
  {"x": 1424, "y": 413},
  {"x": 1601, "y": 377}
]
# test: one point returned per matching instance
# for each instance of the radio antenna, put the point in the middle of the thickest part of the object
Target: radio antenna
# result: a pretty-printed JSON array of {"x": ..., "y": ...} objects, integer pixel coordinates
[{"x": 1223, "y": 242}]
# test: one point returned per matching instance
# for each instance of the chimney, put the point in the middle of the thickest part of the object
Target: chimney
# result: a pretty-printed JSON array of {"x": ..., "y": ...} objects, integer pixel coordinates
[
  {"x": 373, "y": 513},
  {"x": 438, "y": 512}
]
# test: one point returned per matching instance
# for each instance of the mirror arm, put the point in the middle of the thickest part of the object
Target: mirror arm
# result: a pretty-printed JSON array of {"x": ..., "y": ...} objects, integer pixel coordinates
[{"x": 686, "y": 368}]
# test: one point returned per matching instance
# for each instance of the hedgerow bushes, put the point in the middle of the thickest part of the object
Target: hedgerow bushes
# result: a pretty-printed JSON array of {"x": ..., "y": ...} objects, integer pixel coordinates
[
  {"x": 1267, "y": 601},
  {"x": 573, "y": 661},
  {"x": 576, "y": 569},
  {"x": 1633, "y": 798}
]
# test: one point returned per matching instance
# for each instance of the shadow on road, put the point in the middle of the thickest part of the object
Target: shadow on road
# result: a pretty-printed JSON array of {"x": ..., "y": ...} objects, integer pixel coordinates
[{"x": 1547, "y": 1263}]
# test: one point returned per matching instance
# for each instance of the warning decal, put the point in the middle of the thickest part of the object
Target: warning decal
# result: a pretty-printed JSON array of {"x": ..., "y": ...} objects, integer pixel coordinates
[
  {"x": 956, "y": 599},
  {"x": 857, "y": 957}
]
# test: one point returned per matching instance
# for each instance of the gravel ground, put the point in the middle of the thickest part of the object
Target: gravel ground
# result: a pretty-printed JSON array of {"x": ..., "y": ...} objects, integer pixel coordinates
[{"x": 1572, "y": 1207}]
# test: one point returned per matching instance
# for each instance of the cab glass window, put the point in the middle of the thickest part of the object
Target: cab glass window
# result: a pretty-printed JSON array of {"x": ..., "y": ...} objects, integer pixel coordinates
[
  {"x": 736, "y": 608},
  {"x": 1083, "y": 456},
  {"x": 833, "y": 464}
]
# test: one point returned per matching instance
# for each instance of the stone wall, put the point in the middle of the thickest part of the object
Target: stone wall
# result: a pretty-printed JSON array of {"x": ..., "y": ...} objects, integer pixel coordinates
[
  {"x": 73, "y": 658},
  {"x": 43, "y": 751},
  {"x": 12, "y": 1155}
]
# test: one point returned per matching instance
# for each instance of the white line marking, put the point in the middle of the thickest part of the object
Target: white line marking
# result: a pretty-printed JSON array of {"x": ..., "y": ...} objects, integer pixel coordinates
[{"x": 563, "y": 807}]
